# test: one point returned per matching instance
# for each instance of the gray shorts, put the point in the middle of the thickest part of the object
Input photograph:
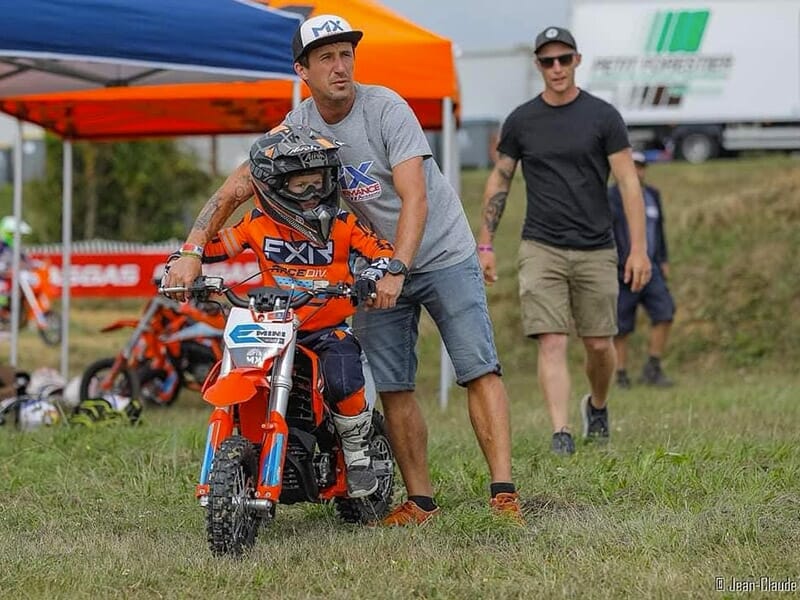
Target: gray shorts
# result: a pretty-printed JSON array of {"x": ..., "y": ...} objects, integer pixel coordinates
[
  {"x": 455, "y": 298},
  {"x": 558, "y": 286}
]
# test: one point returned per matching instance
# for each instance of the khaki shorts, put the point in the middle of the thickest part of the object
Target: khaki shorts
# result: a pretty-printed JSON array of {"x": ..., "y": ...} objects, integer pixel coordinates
[{"x": 559, "y": 286}]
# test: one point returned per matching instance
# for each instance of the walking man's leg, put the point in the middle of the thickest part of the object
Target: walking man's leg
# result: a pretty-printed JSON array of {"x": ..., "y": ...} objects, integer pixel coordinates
[
  {"x": 600, "y": 365},
  {"x": 554, "y": 378},
  {"x": 555, "y": 385}
]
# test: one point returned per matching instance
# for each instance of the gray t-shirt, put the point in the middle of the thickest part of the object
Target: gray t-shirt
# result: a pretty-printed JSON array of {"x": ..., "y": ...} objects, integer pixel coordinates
[{"x": 380, "y": 132}]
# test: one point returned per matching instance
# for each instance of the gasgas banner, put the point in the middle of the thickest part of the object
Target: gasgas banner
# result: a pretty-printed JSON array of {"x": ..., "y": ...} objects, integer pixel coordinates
[
  {"x": 678, "y": 61},
  {"x": 135, "y": 274}
]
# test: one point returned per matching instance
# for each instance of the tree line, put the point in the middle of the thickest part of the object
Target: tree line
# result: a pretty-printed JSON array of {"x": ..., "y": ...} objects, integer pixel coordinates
[{"x": 140, "y": 191}]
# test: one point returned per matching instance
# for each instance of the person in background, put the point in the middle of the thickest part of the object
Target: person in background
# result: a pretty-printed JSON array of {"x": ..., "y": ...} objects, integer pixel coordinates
[
  {"x": 9, "y": 225},
  {"x": 391, "y": 182},
  {"x": 655, "y": 297},
  {"x": 568, "y": 141}
]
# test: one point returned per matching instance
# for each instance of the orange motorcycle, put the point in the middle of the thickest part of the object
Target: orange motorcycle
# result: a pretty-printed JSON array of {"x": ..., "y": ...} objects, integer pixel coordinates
[
  {"x": 271, "y": 438},
  {"x": 173, "y": 345},
  {"x": 36, "y": 292}
]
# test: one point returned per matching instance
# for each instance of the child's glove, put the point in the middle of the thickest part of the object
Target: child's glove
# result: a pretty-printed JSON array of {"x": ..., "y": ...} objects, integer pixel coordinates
[{"x": 364, "y": 286}]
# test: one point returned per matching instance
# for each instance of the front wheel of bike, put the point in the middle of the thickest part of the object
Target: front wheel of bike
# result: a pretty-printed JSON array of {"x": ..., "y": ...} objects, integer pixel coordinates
[
  {"x": 231, "y": 525},
  {"x": 101, "y": 379},
  {"x": 50, "y": 332},
  {"x": 374, "y": 507}
]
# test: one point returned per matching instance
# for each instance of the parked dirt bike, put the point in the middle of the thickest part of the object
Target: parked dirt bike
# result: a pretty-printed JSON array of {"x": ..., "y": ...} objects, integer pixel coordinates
[
  {"x": 36, "y": 293},
  {"x": 173, "y": 345},
  {"x": 271, "y": 438}
]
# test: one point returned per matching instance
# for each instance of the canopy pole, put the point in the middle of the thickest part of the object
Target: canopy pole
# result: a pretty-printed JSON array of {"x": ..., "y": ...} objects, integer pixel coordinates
[
  {"x": 16, "y": 260},
  {"x": 445, "y": 364},
  {"x": 66, "y": 257}
]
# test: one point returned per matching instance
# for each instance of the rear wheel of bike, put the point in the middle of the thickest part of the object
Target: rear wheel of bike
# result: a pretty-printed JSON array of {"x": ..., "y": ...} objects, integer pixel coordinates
[
  {"x": 121, "y": 382},
  {"x": 231, "y": 526},
  {"x": 151, "y": 384},
  {"x": 374, "y": 507},
  {"x": 51, "y": 332}
]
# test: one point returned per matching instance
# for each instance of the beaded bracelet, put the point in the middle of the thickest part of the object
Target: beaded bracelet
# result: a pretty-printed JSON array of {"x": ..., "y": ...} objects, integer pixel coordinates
[{"x": 485, "y": 248}]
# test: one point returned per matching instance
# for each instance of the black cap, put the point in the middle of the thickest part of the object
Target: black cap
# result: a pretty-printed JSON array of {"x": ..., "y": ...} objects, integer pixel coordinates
[
  {"x": 321, "y": 30},
  {"x": 555, "y": 34}
]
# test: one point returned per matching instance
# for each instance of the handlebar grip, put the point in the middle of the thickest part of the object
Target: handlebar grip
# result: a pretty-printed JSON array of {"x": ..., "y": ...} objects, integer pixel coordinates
[{"x": 172, "y": 290}]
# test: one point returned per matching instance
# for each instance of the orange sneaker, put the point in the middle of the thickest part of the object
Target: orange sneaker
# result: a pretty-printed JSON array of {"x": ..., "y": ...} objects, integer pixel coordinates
[
  {"x": 507, "y": 504},
  {"x": 408, "y": 513}
]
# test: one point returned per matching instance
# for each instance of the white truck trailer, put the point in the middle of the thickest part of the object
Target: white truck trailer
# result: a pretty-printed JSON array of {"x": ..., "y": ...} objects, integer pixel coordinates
[{"x": 699, "y": 77}]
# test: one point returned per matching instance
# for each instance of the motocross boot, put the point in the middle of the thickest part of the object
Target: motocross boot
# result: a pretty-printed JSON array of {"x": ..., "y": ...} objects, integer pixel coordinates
[{"x": 354, "y": 434}]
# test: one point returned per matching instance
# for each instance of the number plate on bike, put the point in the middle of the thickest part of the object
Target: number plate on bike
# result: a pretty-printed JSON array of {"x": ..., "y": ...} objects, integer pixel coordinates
[{"x": 242, "y": 335}]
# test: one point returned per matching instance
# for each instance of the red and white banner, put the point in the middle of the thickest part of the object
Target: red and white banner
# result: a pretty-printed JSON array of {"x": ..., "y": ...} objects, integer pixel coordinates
[{"x": 134, "y": 273}]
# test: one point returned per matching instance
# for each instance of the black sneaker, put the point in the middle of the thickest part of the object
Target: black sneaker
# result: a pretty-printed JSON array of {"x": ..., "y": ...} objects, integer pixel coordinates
[
  {"x": 562, "y": 444},
  {"x": 623, "y": 381},
  {"x": 653, "y": 375},
  {"x": 595, "y": 420}
]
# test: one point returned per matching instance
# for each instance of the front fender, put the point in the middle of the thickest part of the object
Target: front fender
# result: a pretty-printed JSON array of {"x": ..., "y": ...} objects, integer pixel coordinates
[{"x": 238, "y": 386}]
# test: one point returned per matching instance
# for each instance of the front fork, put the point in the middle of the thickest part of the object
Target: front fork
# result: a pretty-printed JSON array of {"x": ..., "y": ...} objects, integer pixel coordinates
[
  {"x": 276, "y": 431},
  {"x": 220, "y": 427},
  {"x": 276, "y": 435}
]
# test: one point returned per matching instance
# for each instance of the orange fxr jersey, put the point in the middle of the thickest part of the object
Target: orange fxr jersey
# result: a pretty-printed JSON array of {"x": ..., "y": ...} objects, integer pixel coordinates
[{"x": 303, "y": 264}]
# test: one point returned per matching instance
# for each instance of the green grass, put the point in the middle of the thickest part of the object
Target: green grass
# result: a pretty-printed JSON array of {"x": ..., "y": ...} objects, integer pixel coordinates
[{"x": 698, "y": 482}]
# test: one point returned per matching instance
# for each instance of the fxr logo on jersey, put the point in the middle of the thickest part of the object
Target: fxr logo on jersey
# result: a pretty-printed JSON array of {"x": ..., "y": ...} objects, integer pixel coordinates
[
  {"x": 356, "y": 183},
  {"x": 297, "y": 253}
]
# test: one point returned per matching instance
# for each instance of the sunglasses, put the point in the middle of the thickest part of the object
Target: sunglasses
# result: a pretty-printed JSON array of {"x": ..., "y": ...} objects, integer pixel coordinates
[{"x": 564, "y": 60}]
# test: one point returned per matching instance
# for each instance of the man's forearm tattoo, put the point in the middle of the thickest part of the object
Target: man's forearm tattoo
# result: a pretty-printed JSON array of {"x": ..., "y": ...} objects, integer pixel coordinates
[
  {"x": 494, "y": 210},
  {"x": 222, "y": 204},
  {"x": 204, "y": 218}
]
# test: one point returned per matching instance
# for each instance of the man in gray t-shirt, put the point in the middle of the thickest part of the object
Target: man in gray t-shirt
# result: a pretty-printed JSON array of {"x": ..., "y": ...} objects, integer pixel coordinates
[
  {"x": 380, "y": 131},
  {"x": 391, "y": 182}
]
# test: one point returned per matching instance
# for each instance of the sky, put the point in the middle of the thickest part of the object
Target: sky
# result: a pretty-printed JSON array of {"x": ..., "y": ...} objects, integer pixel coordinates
[{"x": 481, "y": 24}]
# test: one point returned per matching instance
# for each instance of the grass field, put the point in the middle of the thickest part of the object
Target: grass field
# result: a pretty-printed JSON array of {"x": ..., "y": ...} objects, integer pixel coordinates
[{"x": 698, "y": 482}]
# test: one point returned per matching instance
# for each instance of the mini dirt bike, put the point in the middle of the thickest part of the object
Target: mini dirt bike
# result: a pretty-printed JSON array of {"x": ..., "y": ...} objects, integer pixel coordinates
[
  {"x": 36, "y": 293},
  {"x": 172, "y": 345},
  {"x": 271, "y": 438}
]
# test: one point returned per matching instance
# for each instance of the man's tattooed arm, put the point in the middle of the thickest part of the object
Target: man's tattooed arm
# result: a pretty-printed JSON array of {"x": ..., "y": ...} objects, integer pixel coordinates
[
  {"x": 495, "y": 196},
  {"x": 234, "y": 192}
]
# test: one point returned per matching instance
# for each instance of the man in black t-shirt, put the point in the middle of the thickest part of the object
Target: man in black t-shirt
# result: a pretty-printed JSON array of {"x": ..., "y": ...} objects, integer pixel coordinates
[{"x": 568, "y": 141}]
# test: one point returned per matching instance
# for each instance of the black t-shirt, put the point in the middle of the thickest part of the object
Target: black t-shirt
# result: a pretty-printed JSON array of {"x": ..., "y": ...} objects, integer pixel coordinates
[{"x": 564, "y": 153}]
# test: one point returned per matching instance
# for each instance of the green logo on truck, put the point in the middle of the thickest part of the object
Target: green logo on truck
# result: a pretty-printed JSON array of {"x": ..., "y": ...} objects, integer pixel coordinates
[{"x": 677, "y": 31}]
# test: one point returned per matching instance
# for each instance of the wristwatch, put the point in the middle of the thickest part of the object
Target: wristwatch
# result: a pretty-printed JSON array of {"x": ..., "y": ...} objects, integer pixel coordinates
[{"x": 397, "y": 267}]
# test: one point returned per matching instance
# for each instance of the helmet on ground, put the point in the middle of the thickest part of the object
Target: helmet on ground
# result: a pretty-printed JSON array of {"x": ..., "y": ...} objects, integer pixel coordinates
[
  {"x": 9, "y": 225},
  {"x": 289, "y": 150},
  {"x": 37, "y": 412},
  {"x": 45, "y": 382}
]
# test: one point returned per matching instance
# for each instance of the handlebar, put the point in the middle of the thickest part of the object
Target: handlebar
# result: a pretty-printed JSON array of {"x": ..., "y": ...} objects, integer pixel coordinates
[{"x": 263, "y": 298}]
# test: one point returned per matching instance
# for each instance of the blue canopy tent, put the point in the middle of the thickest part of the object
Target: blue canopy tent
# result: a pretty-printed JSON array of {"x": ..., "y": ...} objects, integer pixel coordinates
[{"x": 60, "y": 45}]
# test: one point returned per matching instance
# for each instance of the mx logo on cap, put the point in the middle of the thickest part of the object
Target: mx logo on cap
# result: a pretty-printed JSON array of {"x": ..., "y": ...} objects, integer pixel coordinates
[
  {"x": 551, "y": 33},
  {"x": 322, "y": 26},
  {"x": 327, "y": 28}
]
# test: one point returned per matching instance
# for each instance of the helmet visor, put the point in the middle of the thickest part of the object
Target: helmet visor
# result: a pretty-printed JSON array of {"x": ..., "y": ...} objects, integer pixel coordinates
[{"x": 303, "y": 186}]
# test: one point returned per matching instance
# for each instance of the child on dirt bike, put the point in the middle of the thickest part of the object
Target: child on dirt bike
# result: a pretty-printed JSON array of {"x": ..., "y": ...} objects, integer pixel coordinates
[
  {"x": 8, "y": 226},
  {"x": 303, "y": 239}
]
